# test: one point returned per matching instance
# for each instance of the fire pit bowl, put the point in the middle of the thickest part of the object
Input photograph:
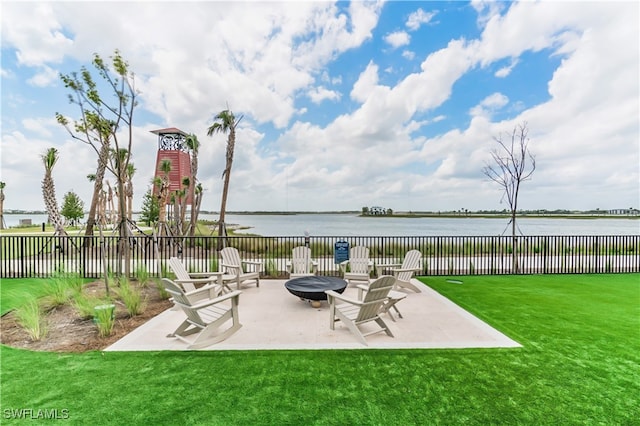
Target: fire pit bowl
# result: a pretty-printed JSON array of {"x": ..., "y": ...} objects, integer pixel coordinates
[{"x": 313, "y": 288}]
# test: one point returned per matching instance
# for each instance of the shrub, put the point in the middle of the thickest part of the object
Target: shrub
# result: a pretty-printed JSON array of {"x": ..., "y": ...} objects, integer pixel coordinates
[
  {"x": 85, "y": 305},
  {"x": 142, "y": 274},
  {"x": 131, "y": 297},
  {"x": 105, "y": 319},
  {"x": 57, "y": 291},
  {"x": 31, "y": 318},
  {"x": 163, "y": 291}
]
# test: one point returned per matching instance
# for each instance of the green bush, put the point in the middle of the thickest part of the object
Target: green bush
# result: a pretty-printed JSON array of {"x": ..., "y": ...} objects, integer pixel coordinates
[
  {"x": 31, "y": 318},
  {"x": 104, "y": 319},
  {"x": 131, "y": 297}
]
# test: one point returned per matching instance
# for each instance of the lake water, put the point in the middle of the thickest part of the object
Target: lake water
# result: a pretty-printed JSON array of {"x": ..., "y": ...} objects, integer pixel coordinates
[{"x": 338, "y": 225}]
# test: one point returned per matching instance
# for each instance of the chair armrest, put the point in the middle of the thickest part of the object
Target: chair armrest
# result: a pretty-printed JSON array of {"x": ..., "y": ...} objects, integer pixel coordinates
[
  {"x": 226, "y": 265},
  {"x": 389, "y": 265},
  {"x": 197, "y": 280},
  {"x": 204, "y": 274},
  {"x": 407, "y": 270},
  {"x": 204, "y": 289},
  {"x": 339, "y": 296},
  {"x": 209, "y": 302},
  {"x": 396, "y": 295},
  {"x": 252, "y": 262}
]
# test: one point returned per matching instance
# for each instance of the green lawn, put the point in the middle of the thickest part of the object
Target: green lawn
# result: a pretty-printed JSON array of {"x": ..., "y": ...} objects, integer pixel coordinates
[{"x": 580, "y": 364}]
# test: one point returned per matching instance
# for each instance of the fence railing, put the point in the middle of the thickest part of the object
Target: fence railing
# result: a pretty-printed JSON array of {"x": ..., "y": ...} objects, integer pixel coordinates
[{"x": 40, "y": 256}]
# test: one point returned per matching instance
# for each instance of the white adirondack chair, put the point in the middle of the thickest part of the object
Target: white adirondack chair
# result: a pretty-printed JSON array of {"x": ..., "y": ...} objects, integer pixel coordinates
[
  {"x": 354, "y": 313},
  {"x": 204, "y": 317},
  {"x": 405, "y": 271},
  {"x": 358, "y": 268},
  {"x": 301, "y": 264},
  {"x": 192, "y": 280},
  {"x": 234, "y": 268}
]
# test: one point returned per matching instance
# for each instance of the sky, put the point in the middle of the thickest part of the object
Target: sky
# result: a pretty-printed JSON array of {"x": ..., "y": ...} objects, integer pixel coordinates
[{"x": 345, "y": 105}]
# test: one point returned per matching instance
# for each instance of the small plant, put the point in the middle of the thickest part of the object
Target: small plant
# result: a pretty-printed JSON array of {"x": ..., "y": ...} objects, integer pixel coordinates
[
  {"x": 166, "y": 272},
  {"x": 142, "y": 274},
  {"x": 270, "y": 268},
  {"x": 164, "y": 295},
  {"x": 57, "y": 291},
  {"x": 105, "y": 319},
  {"x": 31, "y": 318},
  {"x": 131, "y": 297},
  {"x": 85, "y": 305},
  {"x": 213, "y": 264}
]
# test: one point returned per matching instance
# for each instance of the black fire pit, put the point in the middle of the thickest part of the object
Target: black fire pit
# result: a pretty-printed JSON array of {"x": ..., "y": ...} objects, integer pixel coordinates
[{"x": 313, "y": 288}]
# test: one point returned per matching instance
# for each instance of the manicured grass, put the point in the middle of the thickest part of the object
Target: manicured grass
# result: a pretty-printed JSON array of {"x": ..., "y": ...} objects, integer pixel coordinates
[
  {"x": 580, "y": 364},
  {"x": 14, "y": 293}
]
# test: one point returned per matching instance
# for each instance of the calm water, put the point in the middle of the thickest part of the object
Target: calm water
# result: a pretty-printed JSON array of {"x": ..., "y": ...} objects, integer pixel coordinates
[{"x": 338, "y": 225}]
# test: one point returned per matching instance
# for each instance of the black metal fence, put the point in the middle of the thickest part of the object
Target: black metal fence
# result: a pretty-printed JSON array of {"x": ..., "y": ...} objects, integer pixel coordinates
[{"x": 40, "y": 256}]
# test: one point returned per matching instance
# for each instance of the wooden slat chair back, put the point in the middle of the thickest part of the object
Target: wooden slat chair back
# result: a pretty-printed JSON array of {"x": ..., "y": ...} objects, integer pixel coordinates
[
  {"x": 359, "y": 260},
  {"x": 354, "y": 313},
  {"x": 410, "y": 266},
  {"x": 301, "y": 264},
  {"x": 190, "y": 281},
  {"x": 359, "y": 265},
  {"x": 204, "y": 317},
  {"x": 234, "y": 267}
]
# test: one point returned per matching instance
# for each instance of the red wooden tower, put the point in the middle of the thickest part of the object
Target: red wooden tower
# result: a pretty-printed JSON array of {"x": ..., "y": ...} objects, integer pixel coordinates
[{"x": 171, "y": 146}]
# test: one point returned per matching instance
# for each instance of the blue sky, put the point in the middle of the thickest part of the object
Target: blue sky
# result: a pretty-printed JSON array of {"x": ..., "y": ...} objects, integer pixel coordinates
[{"x": 345, "y": 105}]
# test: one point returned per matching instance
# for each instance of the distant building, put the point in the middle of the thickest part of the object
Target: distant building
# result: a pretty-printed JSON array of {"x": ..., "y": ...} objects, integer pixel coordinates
[{"x": 377, "y": 211}]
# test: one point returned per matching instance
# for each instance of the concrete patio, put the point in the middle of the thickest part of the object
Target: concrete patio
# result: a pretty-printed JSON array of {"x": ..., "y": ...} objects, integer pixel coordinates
[{"x": 272, "y": 318}]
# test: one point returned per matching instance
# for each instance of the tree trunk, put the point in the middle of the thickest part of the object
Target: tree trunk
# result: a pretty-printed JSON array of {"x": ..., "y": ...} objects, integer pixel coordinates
[
  {"x": 48, "y": 192},
  {"x": 514, "y": 243},
  {"x": 103, "y": 157},
  {"x": 1, "y": 210},
  {"x": 124, "y": 230},
  {"x": 222, "y": 231},
  {"x": 193, "y": 220}
]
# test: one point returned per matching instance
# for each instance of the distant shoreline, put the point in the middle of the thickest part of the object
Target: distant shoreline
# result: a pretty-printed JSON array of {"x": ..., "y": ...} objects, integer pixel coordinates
[{"x": 405, "y": 215}]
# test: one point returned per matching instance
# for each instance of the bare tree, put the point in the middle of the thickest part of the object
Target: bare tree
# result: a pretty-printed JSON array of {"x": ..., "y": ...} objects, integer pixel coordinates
[
  {"x": 107, "y": 126},
  {"x": 513, "y": 164}
]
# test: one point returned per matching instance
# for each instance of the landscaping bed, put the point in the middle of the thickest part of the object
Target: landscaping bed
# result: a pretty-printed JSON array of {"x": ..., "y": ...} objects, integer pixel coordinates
[{"x": 67, "y": 331}]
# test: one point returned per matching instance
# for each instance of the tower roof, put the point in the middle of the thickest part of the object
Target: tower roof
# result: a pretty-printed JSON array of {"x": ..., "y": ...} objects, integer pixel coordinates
[{"x": 169, "y": 130}]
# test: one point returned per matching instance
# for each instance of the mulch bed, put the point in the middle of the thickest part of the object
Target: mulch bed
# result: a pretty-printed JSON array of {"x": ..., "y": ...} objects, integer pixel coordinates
[{"x": 68, "y": 332}]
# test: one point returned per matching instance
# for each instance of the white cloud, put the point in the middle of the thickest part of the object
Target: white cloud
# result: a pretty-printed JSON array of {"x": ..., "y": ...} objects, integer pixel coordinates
[
  {"x": 397, "y": 39},
  {"x": 505, "y": 71},
  {"x": 319, "y": 94},
  {"x": 39, "y": 126},
  {"x": 44, "y": 78},
  {"x": 388, "y": 133},
  {"x": 489, "y": 104},
  {"x": 407, "y": 54},
  {"x": 419, "y": 17},
  {"x": 367, "y": 81}
]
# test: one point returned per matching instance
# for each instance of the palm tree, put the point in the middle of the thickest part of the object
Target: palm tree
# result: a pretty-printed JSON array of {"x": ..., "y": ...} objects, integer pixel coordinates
[
  {"x": 49, "y": 159},
  {"x": 225, "y": 122},
  {"x": 193, "y": 144},
  {"x": 2, "y": 185}
]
